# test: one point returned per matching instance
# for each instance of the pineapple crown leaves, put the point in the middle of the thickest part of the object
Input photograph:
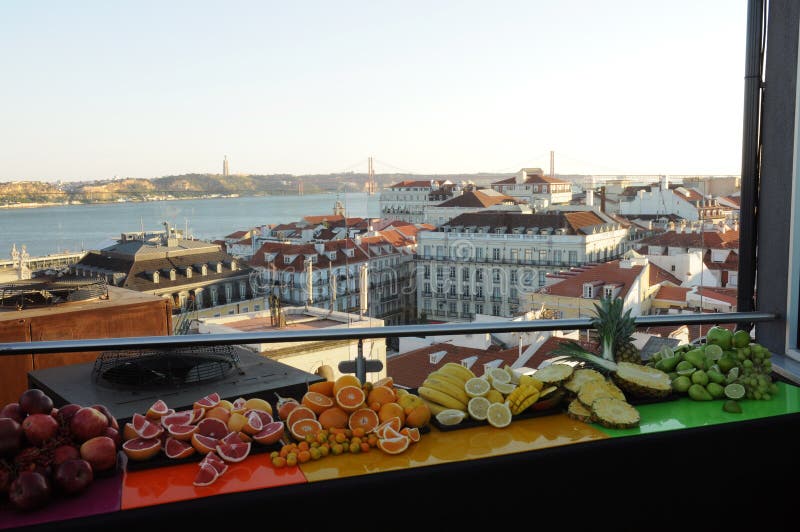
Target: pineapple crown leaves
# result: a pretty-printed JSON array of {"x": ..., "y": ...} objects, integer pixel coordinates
[{"x": 576, "y": 351}]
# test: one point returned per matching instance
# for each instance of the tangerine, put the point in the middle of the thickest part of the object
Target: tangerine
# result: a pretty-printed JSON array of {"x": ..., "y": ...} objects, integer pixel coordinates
[
  {"x": 317, "y": 401},
  {"x": 418, "y": 416},
  {"x": 363, "y": 419},
  {"x": 333, "y": 417},
  {"x": 302, "y": 428},
  {"x": 323, "y": 387},
  {"x": 350, "y": 398},
  {"x": 345, "y": 380},
  {"x": 390, "y": 410}
]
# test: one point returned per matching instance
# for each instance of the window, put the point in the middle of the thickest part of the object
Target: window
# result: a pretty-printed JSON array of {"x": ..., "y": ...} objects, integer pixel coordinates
[
  {"x": 495, "y": 253},
  {"x": 529, "y": 255},
  {"x": 672, "y": 268},
  {"x": 479, "y": 275},
  {"x": 453, "y": 308},
  {"x": 513, "y": 276},
  {"x": 465, "y": 308},
  {"x": 496, "y": 275},
  {"x": 496, "y": 292},
  {"x": 557, "y": 256},
  {"x": 172, "y": 274},
  {"x": 439, "y": 252},
  {"x": 426, "y": 272},
  {"x": 426, "y": 289},
  {"x": 542, "y": 277},
  {"x": 542, "y": 256},
  {"x": 573, "y": 258},
  {"x": 478, "y": 308},
  {"x": 514, "y": 255},
  {"x": 242, "y": 290},
  {"x": 228, "y": 292},
  {"x": 465, "y": 289},
  {"x": 452, "y": 272},
  {"x": 452, "y": 290},
  {"x": 479, "y": 253},
  {"x": 465, "y": 274},
  {"x": 495, "y": 309},
  {"x": 479, "y": 290},
  {"x": 512, "y": 293},
  {"x": 214, "y": 296},
  {"x": 588, "y": 291}
]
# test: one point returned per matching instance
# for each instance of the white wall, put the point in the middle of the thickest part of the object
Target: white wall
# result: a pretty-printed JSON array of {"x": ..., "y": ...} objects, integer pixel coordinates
[
  {"x": 658, "y": 201},
  {"x": 687, "y": 266}
]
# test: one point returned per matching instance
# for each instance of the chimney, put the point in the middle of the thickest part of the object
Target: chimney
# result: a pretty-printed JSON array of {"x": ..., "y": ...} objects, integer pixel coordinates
[
  {"x": 589, "y": 197},
  {"x": 603, "y": 199}
]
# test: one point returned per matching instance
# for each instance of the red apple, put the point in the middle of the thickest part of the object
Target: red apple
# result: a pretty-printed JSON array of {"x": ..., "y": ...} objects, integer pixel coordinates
[
  {"x": 112, "y": 421},
  {"x": 13, "y": 411},
  {"x": 29, "y": 491},
  {"x": 66, "y": 412},
  {"x": 34, "y": 401},
  {"x": 39, "y": 428},
  {"x": 62, "y": 453},
  {"x": 73, "y": 476},
  {"x": 100, "y": 452},
  {"x": 114, "y": 434},
  {"x": 10, "y": 436},
  {"x": 87, "y": 423}
]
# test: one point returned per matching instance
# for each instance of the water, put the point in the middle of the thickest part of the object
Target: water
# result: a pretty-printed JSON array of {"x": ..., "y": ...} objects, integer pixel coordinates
[{"x": 57, "y": 229}]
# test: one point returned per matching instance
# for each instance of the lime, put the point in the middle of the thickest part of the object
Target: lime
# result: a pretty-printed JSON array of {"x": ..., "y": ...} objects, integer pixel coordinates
[
  {"x": 713, "y": 351},
  {"x": 734, "y": 391},
  {"x": 478, "y": 408},
  {"x": 497, "y": 374},
  {"x": 499, "y": 415},
  {"x": 451, "y": 416},
  {"x": 503, "y": 387},
  {"x": 741, "y": 338},
  {"x": 477, "y": 387},
  {"x": 733, "y": 374},
  {"x": 684, "y": 365},
  {"x": 732, "y": 406},
  {"x": 726, "y": 363}
]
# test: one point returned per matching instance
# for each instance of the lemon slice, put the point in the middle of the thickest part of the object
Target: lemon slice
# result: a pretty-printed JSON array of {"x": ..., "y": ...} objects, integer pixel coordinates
[
  {"x": 477, "y": 387},
  {"x": 503, "y": 387},
  {"x": 451, "y": 416},
  {"x": 498, "y": 415},
  {"x": 494, "y": 396},
  {"x": 478, "y": 408},
  {"x": 498, "y": 375}
]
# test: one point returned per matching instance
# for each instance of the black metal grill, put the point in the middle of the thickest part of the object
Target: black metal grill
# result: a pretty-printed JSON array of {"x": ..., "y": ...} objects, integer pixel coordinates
[
  {"x": 165, "y": 367},
  {"x": 43, "y": 292}
]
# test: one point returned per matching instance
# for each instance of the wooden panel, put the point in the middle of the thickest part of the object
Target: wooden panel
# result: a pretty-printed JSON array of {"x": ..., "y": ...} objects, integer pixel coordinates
[
  {"x": 141, "y": 319},
  {"x": 14, "y": 369}
]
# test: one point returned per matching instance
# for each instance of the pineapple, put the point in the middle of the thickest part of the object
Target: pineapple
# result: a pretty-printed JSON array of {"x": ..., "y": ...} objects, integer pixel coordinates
[{"x": 615, "y": 330}]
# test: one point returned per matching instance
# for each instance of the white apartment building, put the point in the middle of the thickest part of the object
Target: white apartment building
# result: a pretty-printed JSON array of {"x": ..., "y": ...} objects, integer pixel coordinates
[
  {"x": 485, "y": 263},
  {"x": 532, "y": 186},
  {"x": 408, "y": 200}
]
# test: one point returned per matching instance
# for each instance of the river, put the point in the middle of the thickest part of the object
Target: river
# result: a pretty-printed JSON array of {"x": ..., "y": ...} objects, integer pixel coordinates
[{"x": 56, "y": 229}]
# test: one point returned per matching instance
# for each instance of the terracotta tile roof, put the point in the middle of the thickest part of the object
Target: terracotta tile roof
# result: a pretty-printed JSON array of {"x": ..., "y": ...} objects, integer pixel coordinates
[
  {"x": 237, "y": 234},
  {"x": 417, "y": 184},
  {"x": 510, "y": 220},
  {"x": 706, "y": 240},
  {"x": 507, "y": 181},
  {"x": 545, "y": 179},
  {"x": 660, "y": 275},
  {"x": 476, "y": 198},
  {"x": 606, "y": 273},
  {"x": 384, "y": 223},
  {"x": 324, "y": 218},
  {"x": 733, "y": 200},
  {"x": 730, "y": 263},
  {"x": 245, "y": 242},
  {"x": 297, "y": 253},
  {"x": 728, "y": 295},
  {"x": 411, "y": 368},
  {"x": 581, "y": 219},
  {"x": 672, "y": 293},
  {"x": 689, "y": 194}
]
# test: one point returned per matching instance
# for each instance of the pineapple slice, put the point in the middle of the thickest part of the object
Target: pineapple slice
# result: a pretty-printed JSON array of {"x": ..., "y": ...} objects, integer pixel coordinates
[
  {"x": 554, "y": 374},
  {"x": 642, "y": 381},
  {"x": 614, "y": 413},
  {"x": 580, "y": 377},
  {"x": 593, "y": 390},
  {"x": 576, "y": 410}
]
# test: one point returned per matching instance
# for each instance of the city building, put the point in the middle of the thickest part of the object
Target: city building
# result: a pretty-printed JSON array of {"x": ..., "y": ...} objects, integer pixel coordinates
[
  {"x": 485, "y": 262},
  {"x": 318, "y": 357},
  {"x": 532, "y": 186},
  {"x": 473, "y": 200},
  {"x": 574, "y": 293},
  {"x": 407, "y": 200},
  {"x": 663, "y": 199},
  {"x": 333, "y": 274},
  {"x": 225, "y": 169},
  {"x": 195, "y": 276}
]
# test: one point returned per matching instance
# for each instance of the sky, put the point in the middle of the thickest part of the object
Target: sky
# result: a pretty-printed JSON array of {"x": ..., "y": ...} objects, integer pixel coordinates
[{"x": 98, "y": 89}]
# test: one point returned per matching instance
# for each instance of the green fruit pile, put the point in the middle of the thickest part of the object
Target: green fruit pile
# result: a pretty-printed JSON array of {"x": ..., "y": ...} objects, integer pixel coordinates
[{"x": 727, "y": 366}]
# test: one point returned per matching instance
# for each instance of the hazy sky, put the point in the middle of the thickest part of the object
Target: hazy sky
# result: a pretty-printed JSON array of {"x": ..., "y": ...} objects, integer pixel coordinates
[{"x": 94, "y": 89}]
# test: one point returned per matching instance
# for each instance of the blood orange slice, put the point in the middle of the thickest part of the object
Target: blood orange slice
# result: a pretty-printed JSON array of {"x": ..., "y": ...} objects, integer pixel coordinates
[
  {"x": 271, "y": 433},
  {"x": 365, "y": 418},
  {"x": 265, "y": 416},
  {"x": 209, "y": 401},
  {"x": 254, "y": 423},
  {"x": 206, "y": 476},
  {"x": 213, "y": 427},
  {"x": 142, "y": 448},
  {"x": 178, "y": 418},
  {"x": 233, "y": 437},
  {"x": 217, "y": 462},
  {"x": 305, "y": 427},
  {"x": 178, "y": 449},
  {"x": 204, "y": 444},
  {"x": 394, "y": 445},
  {"x": 317, "y": 402},
  {"x": 301, "y": 412},
  {"x": 182, "y": 432},
  {"x": 158, "y": 409},
  {"x": 233, "y": 452},
  {"x": 239, "y": 405},
  {"x": 145, "y": 428},
  {"x": 128, "y": 432}
]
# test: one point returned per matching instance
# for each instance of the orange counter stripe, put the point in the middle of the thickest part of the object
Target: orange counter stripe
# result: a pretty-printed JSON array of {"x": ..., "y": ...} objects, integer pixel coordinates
[
  {"x": 439, "y": 447},
  {"x": 162, "y": 485}
]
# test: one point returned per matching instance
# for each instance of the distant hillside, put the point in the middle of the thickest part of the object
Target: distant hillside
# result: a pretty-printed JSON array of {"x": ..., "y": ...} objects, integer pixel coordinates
[{"x": 205, "y": 185}]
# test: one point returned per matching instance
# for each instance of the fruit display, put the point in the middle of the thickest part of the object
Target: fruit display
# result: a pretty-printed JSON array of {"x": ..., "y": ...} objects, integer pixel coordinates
[
  {"x": 454, "y": 395},
  {"x": 728, "y": 366},
  {"x": 347, "y": 416},
  {"x": 46, "y": 452},
  {"x": 218, "y": 430}
]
